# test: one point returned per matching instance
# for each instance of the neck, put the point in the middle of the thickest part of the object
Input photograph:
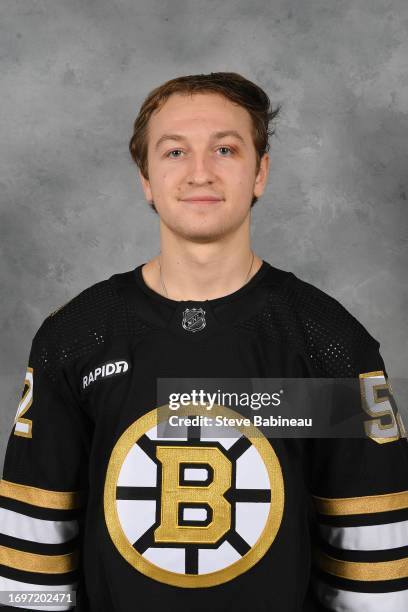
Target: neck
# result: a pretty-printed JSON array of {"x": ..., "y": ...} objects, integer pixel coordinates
[{"x": 201, "y": 274}]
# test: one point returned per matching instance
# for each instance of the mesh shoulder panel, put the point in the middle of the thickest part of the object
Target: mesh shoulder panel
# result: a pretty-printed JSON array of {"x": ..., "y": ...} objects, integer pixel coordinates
[
  {"x": 83, "y": 324},
  {"x": 309, "y": 320},
  {"x": 335, "y": 339}
]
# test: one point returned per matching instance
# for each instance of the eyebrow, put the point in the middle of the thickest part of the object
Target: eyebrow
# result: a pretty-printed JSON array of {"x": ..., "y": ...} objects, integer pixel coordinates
[{"x": 214, "y": 136}]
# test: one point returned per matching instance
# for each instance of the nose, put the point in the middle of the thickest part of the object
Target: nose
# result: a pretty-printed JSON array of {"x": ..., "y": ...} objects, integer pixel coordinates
[{"x": 200, "y": 171}]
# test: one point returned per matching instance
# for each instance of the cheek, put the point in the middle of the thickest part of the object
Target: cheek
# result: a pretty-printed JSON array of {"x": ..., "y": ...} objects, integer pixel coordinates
[
  {"x": 239, "y": 177},
  {"x": 162, "y": 182},
  {"x": 168, "y": 178},
  {"x": 242, "y": 185}
]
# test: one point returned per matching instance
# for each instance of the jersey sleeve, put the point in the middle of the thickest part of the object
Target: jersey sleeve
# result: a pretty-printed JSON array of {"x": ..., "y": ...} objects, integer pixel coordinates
[
  {"x": 359, "y": 490},
  {"x": 43, "y": 490}
]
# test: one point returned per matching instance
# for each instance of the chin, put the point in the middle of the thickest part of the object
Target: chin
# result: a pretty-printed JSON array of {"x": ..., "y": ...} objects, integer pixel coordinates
[
  {"x": 200, "y": 234},
  {"x": 203, "y": 228}
]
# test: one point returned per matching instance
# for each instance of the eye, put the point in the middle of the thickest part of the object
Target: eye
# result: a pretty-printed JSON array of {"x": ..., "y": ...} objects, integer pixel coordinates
[
  {"x": 225, "y": 147},
  {"x": 171, "y": 156},
  {"x": 173, "y": 151}
]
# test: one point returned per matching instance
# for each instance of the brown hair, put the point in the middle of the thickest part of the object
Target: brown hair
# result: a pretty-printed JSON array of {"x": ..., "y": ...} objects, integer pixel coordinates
[{"x": 229, "y": 84}]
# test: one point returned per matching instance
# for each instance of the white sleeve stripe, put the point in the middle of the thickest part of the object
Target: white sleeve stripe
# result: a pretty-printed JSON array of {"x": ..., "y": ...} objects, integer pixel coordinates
[
  {"x": 25, "y": 527},
  {"x": 6, "y": 584},
  {"x": 367, "y": 537},
  {"x": 340, "y": 600}
]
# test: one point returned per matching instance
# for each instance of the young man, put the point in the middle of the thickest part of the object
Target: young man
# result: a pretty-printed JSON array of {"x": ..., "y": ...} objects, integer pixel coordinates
[{"x": 94, "y": 498}]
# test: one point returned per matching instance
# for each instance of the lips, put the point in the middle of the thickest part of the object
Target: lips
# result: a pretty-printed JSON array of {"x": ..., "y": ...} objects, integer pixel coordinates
[{"x": 202, "y": 198}]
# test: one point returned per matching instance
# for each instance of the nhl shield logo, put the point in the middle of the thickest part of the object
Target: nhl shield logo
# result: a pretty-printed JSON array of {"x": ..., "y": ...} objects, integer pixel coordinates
[{"x": 194, "y": 319}]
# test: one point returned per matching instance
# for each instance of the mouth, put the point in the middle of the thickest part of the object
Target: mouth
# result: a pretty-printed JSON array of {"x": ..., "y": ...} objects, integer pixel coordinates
[{"x": 203, "y": 200}]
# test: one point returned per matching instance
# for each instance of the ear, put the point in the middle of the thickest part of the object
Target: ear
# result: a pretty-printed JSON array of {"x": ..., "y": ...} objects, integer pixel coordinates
[
  {"x": 262, "y": 176},
  {"x": 146, "y": 187}
]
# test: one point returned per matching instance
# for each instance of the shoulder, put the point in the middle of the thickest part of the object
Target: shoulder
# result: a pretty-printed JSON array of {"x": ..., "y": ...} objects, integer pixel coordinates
[
  {"x": 319, "y": 310},
  {"x": 315, "y": 326},
  {"x": 88, "y": 309},
  {"x": 291, "y": 297},
  {"x": 82, "y": 325},
  {"x": 86, "y": 297},
  {"x": 337, "y": 342}
]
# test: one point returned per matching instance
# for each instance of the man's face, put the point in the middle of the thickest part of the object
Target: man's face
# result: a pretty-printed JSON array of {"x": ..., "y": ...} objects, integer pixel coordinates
[{"x": 196, "y": 161}]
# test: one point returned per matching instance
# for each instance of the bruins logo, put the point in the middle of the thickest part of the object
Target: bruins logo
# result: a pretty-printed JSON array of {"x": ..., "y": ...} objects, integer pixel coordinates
[{"x": 193, "y": 511}]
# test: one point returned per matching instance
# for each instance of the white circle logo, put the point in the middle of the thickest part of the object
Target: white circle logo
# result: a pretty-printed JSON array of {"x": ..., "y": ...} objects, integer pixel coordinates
[{"x": 193, "y": 511}]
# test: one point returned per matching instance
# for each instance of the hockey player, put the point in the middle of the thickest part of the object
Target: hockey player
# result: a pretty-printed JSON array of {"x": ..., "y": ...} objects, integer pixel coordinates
[{"x": 96, "y": 502}]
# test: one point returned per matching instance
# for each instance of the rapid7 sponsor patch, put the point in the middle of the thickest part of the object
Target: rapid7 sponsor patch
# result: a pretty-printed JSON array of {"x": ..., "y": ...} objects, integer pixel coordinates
[{"x": 106, "y": 370}]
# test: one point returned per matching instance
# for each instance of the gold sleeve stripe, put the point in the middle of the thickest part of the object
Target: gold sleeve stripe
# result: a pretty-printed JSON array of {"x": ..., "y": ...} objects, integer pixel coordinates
[
  {"x": 368, "y": 571},
  {"x": 372, "y": 374},
  {"x": 44, "y": 564},
  {"x": 361, "y": 505},
  {"x": 58, "y": 500}
]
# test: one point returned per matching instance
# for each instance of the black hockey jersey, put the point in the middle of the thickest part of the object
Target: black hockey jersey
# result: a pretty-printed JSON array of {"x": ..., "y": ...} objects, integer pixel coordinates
[{"x": 94, "y": 500}]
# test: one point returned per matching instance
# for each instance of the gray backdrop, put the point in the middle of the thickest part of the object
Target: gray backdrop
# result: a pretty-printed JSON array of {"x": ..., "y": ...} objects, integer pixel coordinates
[{"x": 74, "y": 74}]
